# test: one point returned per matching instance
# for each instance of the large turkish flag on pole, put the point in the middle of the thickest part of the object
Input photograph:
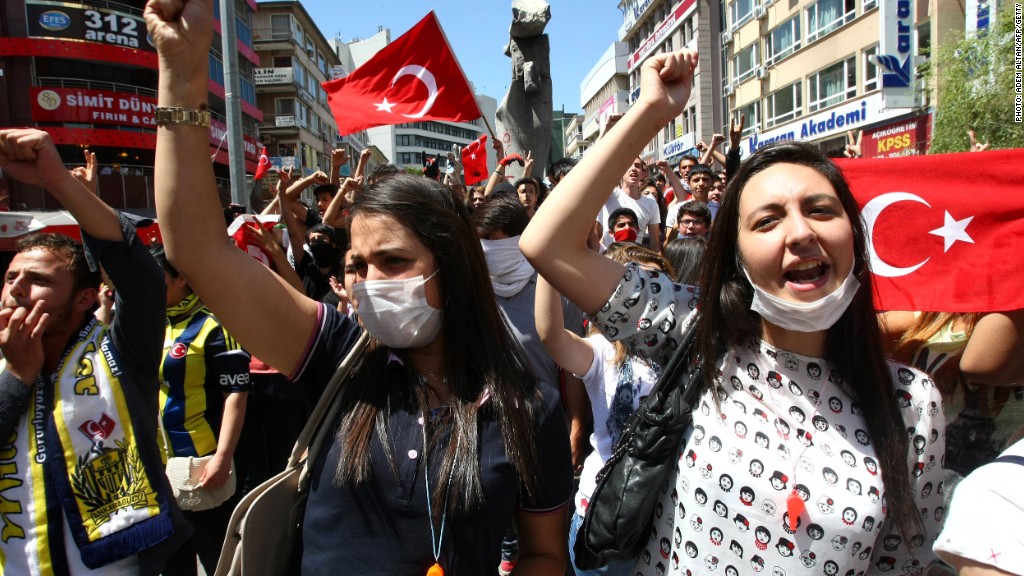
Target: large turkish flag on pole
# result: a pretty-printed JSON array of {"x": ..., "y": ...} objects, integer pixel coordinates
[
  {"x": 946, "y": 230},
  {"x": 414, "y": 78}
]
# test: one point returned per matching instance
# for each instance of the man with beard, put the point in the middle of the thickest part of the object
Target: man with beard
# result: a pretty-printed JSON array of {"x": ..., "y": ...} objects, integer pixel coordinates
[{"x": 78, "y": 399}]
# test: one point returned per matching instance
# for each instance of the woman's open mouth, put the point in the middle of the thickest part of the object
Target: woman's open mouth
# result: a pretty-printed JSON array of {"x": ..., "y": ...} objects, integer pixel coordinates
[{"x": 807, "y": 275}]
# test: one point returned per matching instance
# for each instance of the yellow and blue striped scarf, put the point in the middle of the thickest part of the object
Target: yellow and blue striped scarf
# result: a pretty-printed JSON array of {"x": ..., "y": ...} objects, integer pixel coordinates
[{"x": 80, "y": 461}]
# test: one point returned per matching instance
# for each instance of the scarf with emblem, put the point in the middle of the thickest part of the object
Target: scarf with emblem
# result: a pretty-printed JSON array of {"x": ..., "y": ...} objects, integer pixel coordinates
[{"x": 86, "y": 463}]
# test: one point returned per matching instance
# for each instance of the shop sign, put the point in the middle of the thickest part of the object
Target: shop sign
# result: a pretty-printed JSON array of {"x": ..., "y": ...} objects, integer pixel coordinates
[
  {"x": 679, "y": 145},
  {"x": 635, "y": 11},
  {"x": 908, "y": 137},
  {"x": 268, "y": 76},
  {"x": 87, "y": 23},
  {"x": 80, "y": 105},
  {"x": 832, "y": 122},
  {"x": 896, "y": 51}
]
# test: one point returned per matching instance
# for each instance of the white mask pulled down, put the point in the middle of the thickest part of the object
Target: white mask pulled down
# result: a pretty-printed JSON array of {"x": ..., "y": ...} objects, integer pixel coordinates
[
  {"x": 814, "y": 316},
  {"x": 396, "y": 312}
]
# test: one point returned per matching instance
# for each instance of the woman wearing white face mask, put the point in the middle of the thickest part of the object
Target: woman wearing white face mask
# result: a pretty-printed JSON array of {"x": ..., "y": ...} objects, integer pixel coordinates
[
  {"x": 798, "y": 456},
  {"x": 443, "y": 435}
]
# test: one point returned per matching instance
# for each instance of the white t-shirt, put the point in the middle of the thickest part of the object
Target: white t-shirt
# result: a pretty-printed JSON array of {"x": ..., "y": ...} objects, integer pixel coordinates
[
  {"x": 986, "y": 514},
  {"x": 778, "y": 424},
  {"x": 645, "y": 207},
  {"x": 614, "y": 394}
]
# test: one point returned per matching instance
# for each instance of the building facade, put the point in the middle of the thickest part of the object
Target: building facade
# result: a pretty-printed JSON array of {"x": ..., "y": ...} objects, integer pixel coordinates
[
  {"x": 85, "y": 72},
  {"x": 652, "y": 27},
  {"x": 298, "y": 128},
  {"x": 604, "y": 92},
  {"x": 809, "y": 70}
]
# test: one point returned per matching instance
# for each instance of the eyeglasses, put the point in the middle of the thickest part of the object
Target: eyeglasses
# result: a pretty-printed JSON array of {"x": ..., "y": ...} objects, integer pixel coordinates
[{"x": 688, "y": 223}]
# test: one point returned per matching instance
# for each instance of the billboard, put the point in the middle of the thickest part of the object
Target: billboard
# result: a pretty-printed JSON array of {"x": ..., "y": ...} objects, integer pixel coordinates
[{"x": 86, "y": 23}]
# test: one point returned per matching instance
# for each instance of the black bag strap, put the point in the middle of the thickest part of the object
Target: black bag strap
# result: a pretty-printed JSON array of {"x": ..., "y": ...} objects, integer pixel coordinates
[{"x": 1010, "y": 459}]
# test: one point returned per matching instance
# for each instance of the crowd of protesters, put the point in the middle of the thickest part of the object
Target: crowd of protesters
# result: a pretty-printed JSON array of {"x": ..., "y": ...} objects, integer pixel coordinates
[{"x": 514, "y": 326}]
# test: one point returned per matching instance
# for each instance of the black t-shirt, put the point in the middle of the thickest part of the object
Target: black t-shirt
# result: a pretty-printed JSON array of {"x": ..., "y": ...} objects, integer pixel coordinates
[
  {"x": 316, "y": 283},
  {"x": 382, "y": 527}
]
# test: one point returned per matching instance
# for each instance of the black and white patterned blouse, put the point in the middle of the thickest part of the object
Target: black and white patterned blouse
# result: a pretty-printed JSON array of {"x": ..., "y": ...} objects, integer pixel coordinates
[{"x": 778, "y": 424}]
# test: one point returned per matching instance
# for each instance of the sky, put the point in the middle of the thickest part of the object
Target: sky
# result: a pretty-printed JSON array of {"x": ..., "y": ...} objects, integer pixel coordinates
[{"x": 579, "y": 31}]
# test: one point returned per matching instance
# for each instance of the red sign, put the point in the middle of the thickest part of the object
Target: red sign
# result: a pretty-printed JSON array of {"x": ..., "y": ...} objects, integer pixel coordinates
[
  {"x": 86, "y": 106},
  {"x": 667, "y": 25},
  {"x": 910, "y": 137}
]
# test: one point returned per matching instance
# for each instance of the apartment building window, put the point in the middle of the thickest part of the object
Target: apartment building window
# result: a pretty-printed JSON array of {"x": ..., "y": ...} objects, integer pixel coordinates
[
  {"x": 246, "y": 88},
  {"x": 298, "y": 73},
  {"x": 825, "y": 16},
  {"x": 321, "y": 64},
  {"x": 669, "y": 132},
  {"x": 690, "y": 120},
  {"x": 243, "y": 32},
  {"x": 741, "y": 11},
  {"x": 870, "y": 70},
  {"x": 832, "y": 85},
  {"x": 752, "y": 110},
  {"x": 687, "y": 30},
  {"x": 784, "y": 105},
  {"x": 869, "y": 4},
  {"x": 284, "y": 107},
  {"x": 782, "y": 41},
  {"x": 744, "y": 63},
  {"x": 280, "y": 26},
  {"x": 216, "y": 68}
]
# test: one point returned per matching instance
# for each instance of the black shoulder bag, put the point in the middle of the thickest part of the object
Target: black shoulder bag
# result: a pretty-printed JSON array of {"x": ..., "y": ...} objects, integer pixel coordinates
[{"x": 620, "y": 511}]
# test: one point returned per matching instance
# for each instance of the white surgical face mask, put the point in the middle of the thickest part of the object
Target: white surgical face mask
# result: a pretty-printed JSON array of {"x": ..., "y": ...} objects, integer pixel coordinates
[
  {"x": 396, "y": 313},
  {"x": 805, "y": 316},
  {"x": 507, "y": 266}
]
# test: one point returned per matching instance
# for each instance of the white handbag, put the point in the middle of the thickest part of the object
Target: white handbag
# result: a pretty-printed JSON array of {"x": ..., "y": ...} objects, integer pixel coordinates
[{"x": 184, "y": 473}]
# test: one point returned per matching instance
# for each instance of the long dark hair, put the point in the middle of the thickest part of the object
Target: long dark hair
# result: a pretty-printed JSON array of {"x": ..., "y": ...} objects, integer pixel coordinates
[
  {"x": 853, "y": 345},
  {"x": 480, "y": 354}
]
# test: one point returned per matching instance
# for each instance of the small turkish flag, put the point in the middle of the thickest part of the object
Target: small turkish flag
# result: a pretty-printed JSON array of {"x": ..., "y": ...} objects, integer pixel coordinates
[
  {"x": 240, "y": 233},
  {"x": 944, "y": 229},
  {"x": 413, "y": 79},
  {"x": 98, "y": 430},
  {"x": 264, "y": 165},
  {"x": 474, "y": 160}
]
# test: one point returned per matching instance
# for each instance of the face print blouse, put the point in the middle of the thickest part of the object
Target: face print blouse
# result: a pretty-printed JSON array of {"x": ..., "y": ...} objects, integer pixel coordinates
[{"x": 778, "y": 473}]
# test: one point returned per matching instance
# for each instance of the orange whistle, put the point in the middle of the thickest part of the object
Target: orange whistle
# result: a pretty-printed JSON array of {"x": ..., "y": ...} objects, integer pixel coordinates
[{"x": 435, "y": 570}]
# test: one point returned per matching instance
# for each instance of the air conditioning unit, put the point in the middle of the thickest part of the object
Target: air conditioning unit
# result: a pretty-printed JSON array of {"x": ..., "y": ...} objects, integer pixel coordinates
[
  {"x": 726, "y": 38},
  {"x": 760, "y": 12},
  {"x": 761, "y": 73},
  {"x": 728, "y": 90}
]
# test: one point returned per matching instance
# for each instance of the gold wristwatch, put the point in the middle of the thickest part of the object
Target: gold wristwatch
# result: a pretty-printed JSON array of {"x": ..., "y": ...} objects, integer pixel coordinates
[{"x": 166, "y": 115}]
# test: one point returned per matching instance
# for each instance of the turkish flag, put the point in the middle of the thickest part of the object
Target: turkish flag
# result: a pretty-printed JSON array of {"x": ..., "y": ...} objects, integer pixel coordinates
[
  {"x": 945, "y": 229},
  {"x": 413, "y": 79},
  {"x": 474, "y": 160},
  {"x": 264, "y": 165}
]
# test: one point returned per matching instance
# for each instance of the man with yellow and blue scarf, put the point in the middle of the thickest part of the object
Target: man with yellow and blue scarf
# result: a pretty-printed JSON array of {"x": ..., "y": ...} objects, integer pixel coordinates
[{"x": 82, "y": 487}]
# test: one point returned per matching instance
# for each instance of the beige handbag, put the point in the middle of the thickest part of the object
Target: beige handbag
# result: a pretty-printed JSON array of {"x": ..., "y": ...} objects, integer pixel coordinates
[{"x": 262, "y": 530}]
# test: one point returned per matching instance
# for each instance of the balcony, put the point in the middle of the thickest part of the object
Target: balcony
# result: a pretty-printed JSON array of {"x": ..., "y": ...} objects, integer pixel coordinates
[
  {"x": 267, "y": 39},
  {"x": 281, "y": 124}
]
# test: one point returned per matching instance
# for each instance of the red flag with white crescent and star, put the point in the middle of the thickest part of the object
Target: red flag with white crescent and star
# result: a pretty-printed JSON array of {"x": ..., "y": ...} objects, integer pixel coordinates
[
  {"x": 474, "y": 160},
  {"x": 413, "y": 79},
  {"x": 263, "y": 166},
  {"x": 944, "y": 229}
]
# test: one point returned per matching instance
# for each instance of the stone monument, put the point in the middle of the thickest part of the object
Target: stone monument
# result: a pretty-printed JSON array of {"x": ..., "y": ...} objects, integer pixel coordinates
[{"x": 524, "y": 115}]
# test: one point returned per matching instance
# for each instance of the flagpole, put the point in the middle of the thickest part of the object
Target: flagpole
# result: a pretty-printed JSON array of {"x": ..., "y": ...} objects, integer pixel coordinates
[{"x": 455, "y": 57}]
